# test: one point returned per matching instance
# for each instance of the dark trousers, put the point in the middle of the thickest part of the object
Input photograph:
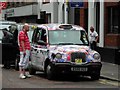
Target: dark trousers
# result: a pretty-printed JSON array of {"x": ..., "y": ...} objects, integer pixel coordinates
[{"x": 93, "y": 45}]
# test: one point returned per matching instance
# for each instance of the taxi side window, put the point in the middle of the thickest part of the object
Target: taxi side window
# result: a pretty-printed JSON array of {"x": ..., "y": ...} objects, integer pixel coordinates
[
  {"x": 34, "y": 35},
  {"x": 39, "y": 34},
  {"x": 43, "y": 35}
]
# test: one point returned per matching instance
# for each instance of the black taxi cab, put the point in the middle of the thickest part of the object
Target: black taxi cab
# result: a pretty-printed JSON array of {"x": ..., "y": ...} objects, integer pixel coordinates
[{"x": 63, "y": 48}]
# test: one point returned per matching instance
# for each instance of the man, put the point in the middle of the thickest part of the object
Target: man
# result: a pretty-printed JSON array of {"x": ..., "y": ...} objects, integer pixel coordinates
[
  {"x": 93, "y": 38},
  {"x": 24, "y": 46}
]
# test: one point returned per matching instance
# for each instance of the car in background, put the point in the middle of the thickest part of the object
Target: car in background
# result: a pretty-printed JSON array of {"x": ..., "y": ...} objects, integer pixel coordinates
[
  {"x": 6, "y": 24},
  {"x": 8, "y": 42},
  {"x": 9, "y": 48},
  {"x": 63, "y": 48}
]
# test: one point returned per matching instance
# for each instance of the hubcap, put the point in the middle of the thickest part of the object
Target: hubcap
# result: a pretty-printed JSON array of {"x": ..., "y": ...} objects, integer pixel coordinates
[{"x": 48, "y": 69}]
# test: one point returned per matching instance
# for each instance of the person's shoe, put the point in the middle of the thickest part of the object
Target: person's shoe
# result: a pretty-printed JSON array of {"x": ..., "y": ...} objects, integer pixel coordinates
[
  {"x": 22, "y": 76},
  {"x": 27, "y": 75}
]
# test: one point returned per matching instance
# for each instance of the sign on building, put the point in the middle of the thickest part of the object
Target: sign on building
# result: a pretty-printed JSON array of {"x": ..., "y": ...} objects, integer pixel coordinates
[
  {"x": 76, "y": 3},
  {"x": 3, "y": 5}
]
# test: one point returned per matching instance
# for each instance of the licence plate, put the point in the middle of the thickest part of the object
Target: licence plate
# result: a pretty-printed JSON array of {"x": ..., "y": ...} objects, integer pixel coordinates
[
  {"x": 78, "y": 60},
  {"x": 82, "y": 69}
]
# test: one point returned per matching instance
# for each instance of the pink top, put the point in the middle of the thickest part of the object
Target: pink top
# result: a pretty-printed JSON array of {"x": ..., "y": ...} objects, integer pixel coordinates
[{"x": 24, "y": 37}]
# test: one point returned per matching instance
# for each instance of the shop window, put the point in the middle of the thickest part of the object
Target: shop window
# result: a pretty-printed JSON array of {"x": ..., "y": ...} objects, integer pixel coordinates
[
  {"x": 86, "y": 19},
  {"x": 113, "y": 20},
  {"x": 77, "y": 16}
]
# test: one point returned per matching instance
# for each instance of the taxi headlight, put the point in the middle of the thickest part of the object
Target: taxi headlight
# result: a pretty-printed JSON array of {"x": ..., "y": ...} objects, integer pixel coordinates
[
  {"x": 96, "y": 56},
  {"x": 58, "y": 56}
]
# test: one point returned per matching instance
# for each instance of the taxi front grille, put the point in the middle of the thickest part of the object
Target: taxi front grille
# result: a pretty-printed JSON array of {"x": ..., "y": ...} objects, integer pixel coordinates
[{"x": 78, "y": 56}]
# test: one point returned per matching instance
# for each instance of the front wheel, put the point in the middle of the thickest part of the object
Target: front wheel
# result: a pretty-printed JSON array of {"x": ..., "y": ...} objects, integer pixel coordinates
[
  {"x": 95, "y": 76},
  {"x": 32, "y": 71},
  {"x": 49, "y": 72}
]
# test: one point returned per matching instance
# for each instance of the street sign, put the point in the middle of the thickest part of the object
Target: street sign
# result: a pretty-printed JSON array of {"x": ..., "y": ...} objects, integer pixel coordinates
[
  {"x": 76, "y": 3},
  {"x": 3, "y": 5}
]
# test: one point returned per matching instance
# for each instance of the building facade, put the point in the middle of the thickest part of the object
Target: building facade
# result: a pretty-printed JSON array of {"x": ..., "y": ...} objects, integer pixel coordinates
[
  {"x": 105, "y": 17},
  {"x": 20, "y": 11},
  {"x": 34, "y": 11}
]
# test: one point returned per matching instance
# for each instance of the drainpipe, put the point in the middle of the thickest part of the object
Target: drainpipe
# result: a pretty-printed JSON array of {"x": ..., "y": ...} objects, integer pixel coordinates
[
  {"x": 91, "y": 15},
  {"x": 39, "y": 8},
  {"x": 60, "y": 11},
  {"x": 101, "y": 35},
  {"x": 66, "y": 10}
]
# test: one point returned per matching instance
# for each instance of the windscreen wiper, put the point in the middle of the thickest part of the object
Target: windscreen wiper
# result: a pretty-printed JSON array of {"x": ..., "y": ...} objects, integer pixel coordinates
[{"x": 66, "y": 44}]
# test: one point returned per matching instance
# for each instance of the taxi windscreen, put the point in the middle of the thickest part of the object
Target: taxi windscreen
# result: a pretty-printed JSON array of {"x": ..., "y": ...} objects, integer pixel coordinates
[{"x": 66, "y": 37}]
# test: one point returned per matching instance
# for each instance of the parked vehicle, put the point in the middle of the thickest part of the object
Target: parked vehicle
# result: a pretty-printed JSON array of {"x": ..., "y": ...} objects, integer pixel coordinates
[
  {"x": 9, "y": 48},
  {"x": 63, "y": 48},
  {"x": 6, "y": 24},
  {"x": 8, "y": 42}
]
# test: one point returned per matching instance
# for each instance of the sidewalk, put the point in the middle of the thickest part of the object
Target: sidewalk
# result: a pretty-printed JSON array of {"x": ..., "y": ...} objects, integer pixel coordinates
[{"x": 110, "y": 71}]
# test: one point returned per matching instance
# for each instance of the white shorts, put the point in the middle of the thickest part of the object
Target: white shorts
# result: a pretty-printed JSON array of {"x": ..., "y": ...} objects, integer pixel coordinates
[{"x": 24, "y": 59}]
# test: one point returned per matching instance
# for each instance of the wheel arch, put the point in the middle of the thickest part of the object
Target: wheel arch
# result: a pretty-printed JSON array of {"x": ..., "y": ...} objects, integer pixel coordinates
[{"x": 47, "y": 61}]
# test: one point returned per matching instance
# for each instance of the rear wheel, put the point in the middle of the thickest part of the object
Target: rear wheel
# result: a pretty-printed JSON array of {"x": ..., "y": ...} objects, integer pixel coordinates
[
  {"x": 17, "y": 63},
  {"x": 6, "y": 64}
]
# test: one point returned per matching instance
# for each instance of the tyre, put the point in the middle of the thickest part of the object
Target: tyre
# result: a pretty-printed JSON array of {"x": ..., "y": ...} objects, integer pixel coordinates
[
  {"x": 32, "y": 71},
  {"x": 50, "y": 72},
  {"x": 95, "y": 76},
  {"x": 17, "y": 63},
  {"x": 6, "y": 64}
]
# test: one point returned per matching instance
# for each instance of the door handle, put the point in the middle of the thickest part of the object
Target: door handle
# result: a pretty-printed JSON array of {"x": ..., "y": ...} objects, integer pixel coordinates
[{"x": 35, "y": 49}]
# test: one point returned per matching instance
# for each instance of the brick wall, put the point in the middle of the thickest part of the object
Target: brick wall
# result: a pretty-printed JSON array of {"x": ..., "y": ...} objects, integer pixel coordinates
[
  {"x": 82, "y": 14},
  {"x": 112, "y": 40},
  {"x": 82, "y": 17}
]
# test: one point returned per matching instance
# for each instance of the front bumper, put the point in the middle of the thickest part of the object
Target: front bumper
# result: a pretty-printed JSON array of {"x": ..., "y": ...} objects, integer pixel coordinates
[{"x": 82, "y": 69}]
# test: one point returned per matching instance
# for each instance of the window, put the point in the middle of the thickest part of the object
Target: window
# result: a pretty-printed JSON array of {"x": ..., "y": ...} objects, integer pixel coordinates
[
  {"x": 1, "y": 35},
  {"x": 113, "y": 20},
  {"x": 34, "y": 35},
  {"x": 39, "y": 35},
  {"x": 64, "y": 37},
  {"x": 77, "y": 14}
]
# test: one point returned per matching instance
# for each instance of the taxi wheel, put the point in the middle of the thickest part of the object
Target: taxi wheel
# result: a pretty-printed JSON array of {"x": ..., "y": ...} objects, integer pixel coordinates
[
  {"x": 16, "y": 63},
  {"x": 95, "y": 76},
  {"x": 49, "y": 72},
  {"x": 32, "y": 71},
  {"x": 6, "y": 66}
]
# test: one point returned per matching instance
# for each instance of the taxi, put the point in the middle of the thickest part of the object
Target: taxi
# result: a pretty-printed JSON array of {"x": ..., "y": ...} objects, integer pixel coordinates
[{"x": 63, "y": 48}]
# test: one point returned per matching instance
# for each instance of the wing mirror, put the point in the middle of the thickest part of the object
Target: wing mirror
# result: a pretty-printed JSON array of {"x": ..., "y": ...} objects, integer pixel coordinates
[{"x": 41, "y": 42}]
